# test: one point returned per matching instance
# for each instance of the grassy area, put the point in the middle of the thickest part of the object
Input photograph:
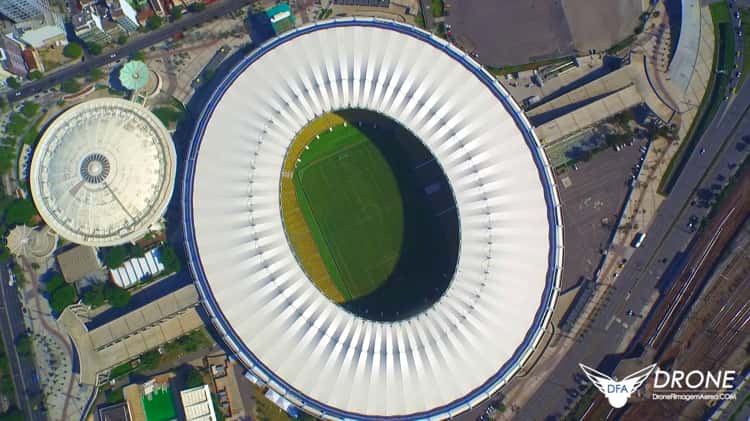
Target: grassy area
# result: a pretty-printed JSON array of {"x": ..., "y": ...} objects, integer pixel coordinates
[
  {"x": 351, "y": 201},
  {"x": 437, "y": 8},
  {"x": 715, "y": 92},
  {"x": 502, "y": 71}
]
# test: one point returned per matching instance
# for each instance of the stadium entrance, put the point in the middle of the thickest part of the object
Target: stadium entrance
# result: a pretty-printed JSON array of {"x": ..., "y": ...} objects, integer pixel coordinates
[{"x": 370, "y": 215}]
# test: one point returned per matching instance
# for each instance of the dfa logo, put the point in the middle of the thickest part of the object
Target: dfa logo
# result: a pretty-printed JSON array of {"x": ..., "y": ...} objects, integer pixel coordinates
[{"x": 617, "y": 392}]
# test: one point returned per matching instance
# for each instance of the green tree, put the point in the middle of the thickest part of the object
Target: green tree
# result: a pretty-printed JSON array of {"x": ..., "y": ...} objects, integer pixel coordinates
[
  {"x": 137, "y": 251},
  {"x": 70, "y": 86},
  {"x": 30, "y": 109},
  {"x": 176, "y": 12},
  {"x": 73, "y": 50},
  {"x": 13, "y": 83},
  {"x": 122, "y": 39},
  {"x": 17, "y": 125},
  {"x": 23, "y": 346},
  {"x": 54, "y": 283},
  {"x": 193, "y": 377},
  {"x": 196, "y": 7},
  {"x": 150, "y": 360},
  {"x": 4, "y": 104},
  {"x": 35, "y": 75},
  {"x": 94, "y": 296},
  {"x": 63, "y": 297},
  {"x": 138, "y": 55},
  {"x": 114, "y": 257},
  {"x": 116, "y": 296},
  {"x": 96, "y": 74},
  {"x": 154, "y": 22},
  {"x": 94, "y": 48},
  {"x": 20, "y": 212},
  {"x": 170, "y": 259}
]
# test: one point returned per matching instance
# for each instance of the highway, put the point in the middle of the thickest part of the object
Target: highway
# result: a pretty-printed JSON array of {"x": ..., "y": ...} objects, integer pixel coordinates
[
  {"x": 150, "y": 38},
  {"x": 12, "y": 326},
  {"x": 667, "y": 237}
]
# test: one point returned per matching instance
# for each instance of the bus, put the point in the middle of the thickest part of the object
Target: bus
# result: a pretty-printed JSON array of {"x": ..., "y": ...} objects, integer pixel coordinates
[{"x": 638, "y": 240}]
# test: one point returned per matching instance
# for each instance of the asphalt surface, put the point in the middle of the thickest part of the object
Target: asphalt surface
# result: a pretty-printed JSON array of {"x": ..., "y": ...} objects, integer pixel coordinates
[
  {"x": 12, "y": 326},
  {"x": 153, "y": 37},
  {"x": 667, "y": 237}
]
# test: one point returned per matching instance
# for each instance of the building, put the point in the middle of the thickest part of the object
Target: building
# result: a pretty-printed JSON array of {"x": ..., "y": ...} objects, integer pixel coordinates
[
  {"x": 11, "y": 56},
  {"x": 136, "y": 165},
  {"x": 89, "y": 26},
  {"x": 137, "y": 269},
  {"x": 336, "y": 362},
  {"x": 197, "y": 404},
  {"x": 158, "y": 402},
  {"x": 124, "y": 14},
  {"x": 103, "y": 346},
  {"x": 23, "y": 10},
  {"x": 33, "y": 62},
  {"x": 233, "y": 394},
  {"x": 78, "y": 263},
  {"x": 116, "y": 412},
  {"x": 281, "y": 17}
]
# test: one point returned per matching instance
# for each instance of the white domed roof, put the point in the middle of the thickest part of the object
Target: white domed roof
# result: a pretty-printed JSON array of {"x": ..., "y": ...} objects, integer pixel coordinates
[
  {"x": 103, "y": 172},
  {"x": 314, "y": 352}
]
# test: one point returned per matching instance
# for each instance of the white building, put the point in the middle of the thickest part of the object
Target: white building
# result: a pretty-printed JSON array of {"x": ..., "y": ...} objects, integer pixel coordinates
[
  {"x": 23, "y": 10},
  {"x": 197, "y": 404},
  {"x": 136, "y": 269},
  {"x": 103, "y": 172}
]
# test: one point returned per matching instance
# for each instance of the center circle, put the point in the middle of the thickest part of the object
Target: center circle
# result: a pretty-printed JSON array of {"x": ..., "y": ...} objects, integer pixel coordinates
[
  {"x": 95, "y": 168},
  {"x": 369, "y": 214}
]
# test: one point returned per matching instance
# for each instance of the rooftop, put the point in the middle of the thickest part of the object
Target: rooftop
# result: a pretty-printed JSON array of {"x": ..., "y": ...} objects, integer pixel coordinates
[{"x": 78, "y": 263}]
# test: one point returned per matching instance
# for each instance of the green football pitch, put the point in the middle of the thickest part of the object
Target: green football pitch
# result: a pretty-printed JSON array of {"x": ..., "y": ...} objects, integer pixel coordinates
[{"x": 351, "y": 201}]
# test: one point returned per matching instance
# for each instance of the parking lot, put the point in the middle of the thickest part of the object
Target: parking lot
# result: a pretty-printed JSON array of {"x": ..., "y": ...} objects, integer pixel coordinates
[
  {"x": 591, "y": 199},
  {"x": 512, "y": 32}
]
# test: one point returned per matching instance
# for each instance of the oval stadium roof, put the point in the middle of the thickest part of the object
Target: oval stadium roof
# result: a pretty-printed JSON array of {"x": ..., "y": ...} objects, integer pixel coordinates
[
  {"x": 103, "y": 172},
  {"x": 310, "y": 350}
]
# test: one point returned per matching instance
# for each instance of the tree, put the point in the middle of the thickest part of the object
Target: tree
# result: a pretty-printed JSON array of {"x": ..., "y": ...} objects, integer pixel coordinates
[
  {"x": 154, "y": 22},
  {"x": 122, "y": 39},
  {"x": 116, "y": 296},
  {"x": 94, "y": 48},
  {"x": 30, "y": 109},
  {"x": 150, "y": 360},
  {"x": 13, "y": 83},
  {"x": 196, "y": 7},
  {"x": 96, "y": 74},
  {"x": 63, "y": 297},
  {"x": 23, "y": 346},
  {"x": 114, "y": 257},
  {"x": 35, "y": 75},
  {"x": 70, "y": 86},
  {"x": 137, "y": 251},
  {"x": 54, "y": 283},
  {"x": 176, "y": 12},
  {"x": 94, "y": 296},
  {"x": 193, "y": 378},
  {"x": 170, "y": 259},
  {"x": 138, "y": 55},
  {"x": 20, "y": 212},
  {"x": 73, "y": 50}
]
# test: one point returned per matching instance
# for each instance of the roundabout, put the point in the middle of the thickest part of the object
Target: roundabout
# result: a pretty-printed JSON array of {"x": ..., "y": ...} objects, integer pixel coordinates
[{"x": 476, "y": 162}]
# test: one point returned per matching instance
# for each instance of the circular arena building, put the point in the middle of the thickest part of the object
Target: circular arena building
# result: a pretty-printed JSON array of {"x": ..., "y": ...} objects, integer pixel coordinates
[
  {"x": 103, "y": 172},
  {"x": 358, "y": 357}
]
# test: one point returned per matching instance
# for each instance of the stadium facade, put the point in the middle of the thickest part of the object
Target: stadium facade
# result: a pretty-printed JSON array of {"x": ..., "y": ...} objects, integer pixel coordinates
[
  {"x": 103, "y": 172},
  {"x": 313, "y": 352}
]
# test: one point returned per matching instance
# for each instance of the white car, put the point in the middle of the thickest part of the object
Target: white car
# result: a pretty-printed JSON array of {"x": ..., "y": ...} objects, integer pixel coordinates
[{"x": 113, "y": 55}]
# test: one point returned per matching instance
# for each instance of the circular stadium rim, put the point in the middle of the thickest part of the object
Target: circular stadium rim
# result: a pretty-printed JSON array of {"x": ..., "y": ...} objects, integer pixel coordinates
[{"x": 551, "y": 288}]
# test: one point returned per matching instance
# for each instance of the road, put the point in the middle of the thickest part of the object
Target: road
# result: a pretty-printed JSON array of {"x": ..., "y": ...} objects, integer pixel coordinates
[
  {"x": 667, "y": 237},
  {"x": 12, "y": 326},
  {"x": 151, "y": 38}
]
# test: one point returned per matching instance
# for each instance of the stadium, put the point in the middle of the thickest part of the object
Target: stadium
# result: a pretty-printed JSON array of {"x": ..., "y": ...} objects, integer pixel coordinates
[{"x": 371, "y": 223}]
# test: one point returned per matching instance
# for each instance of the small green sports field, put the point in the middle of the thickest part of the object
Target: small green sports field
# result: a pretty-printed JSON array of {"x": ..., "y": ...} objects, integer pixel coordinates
[{"x": 351, "y": 201}]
